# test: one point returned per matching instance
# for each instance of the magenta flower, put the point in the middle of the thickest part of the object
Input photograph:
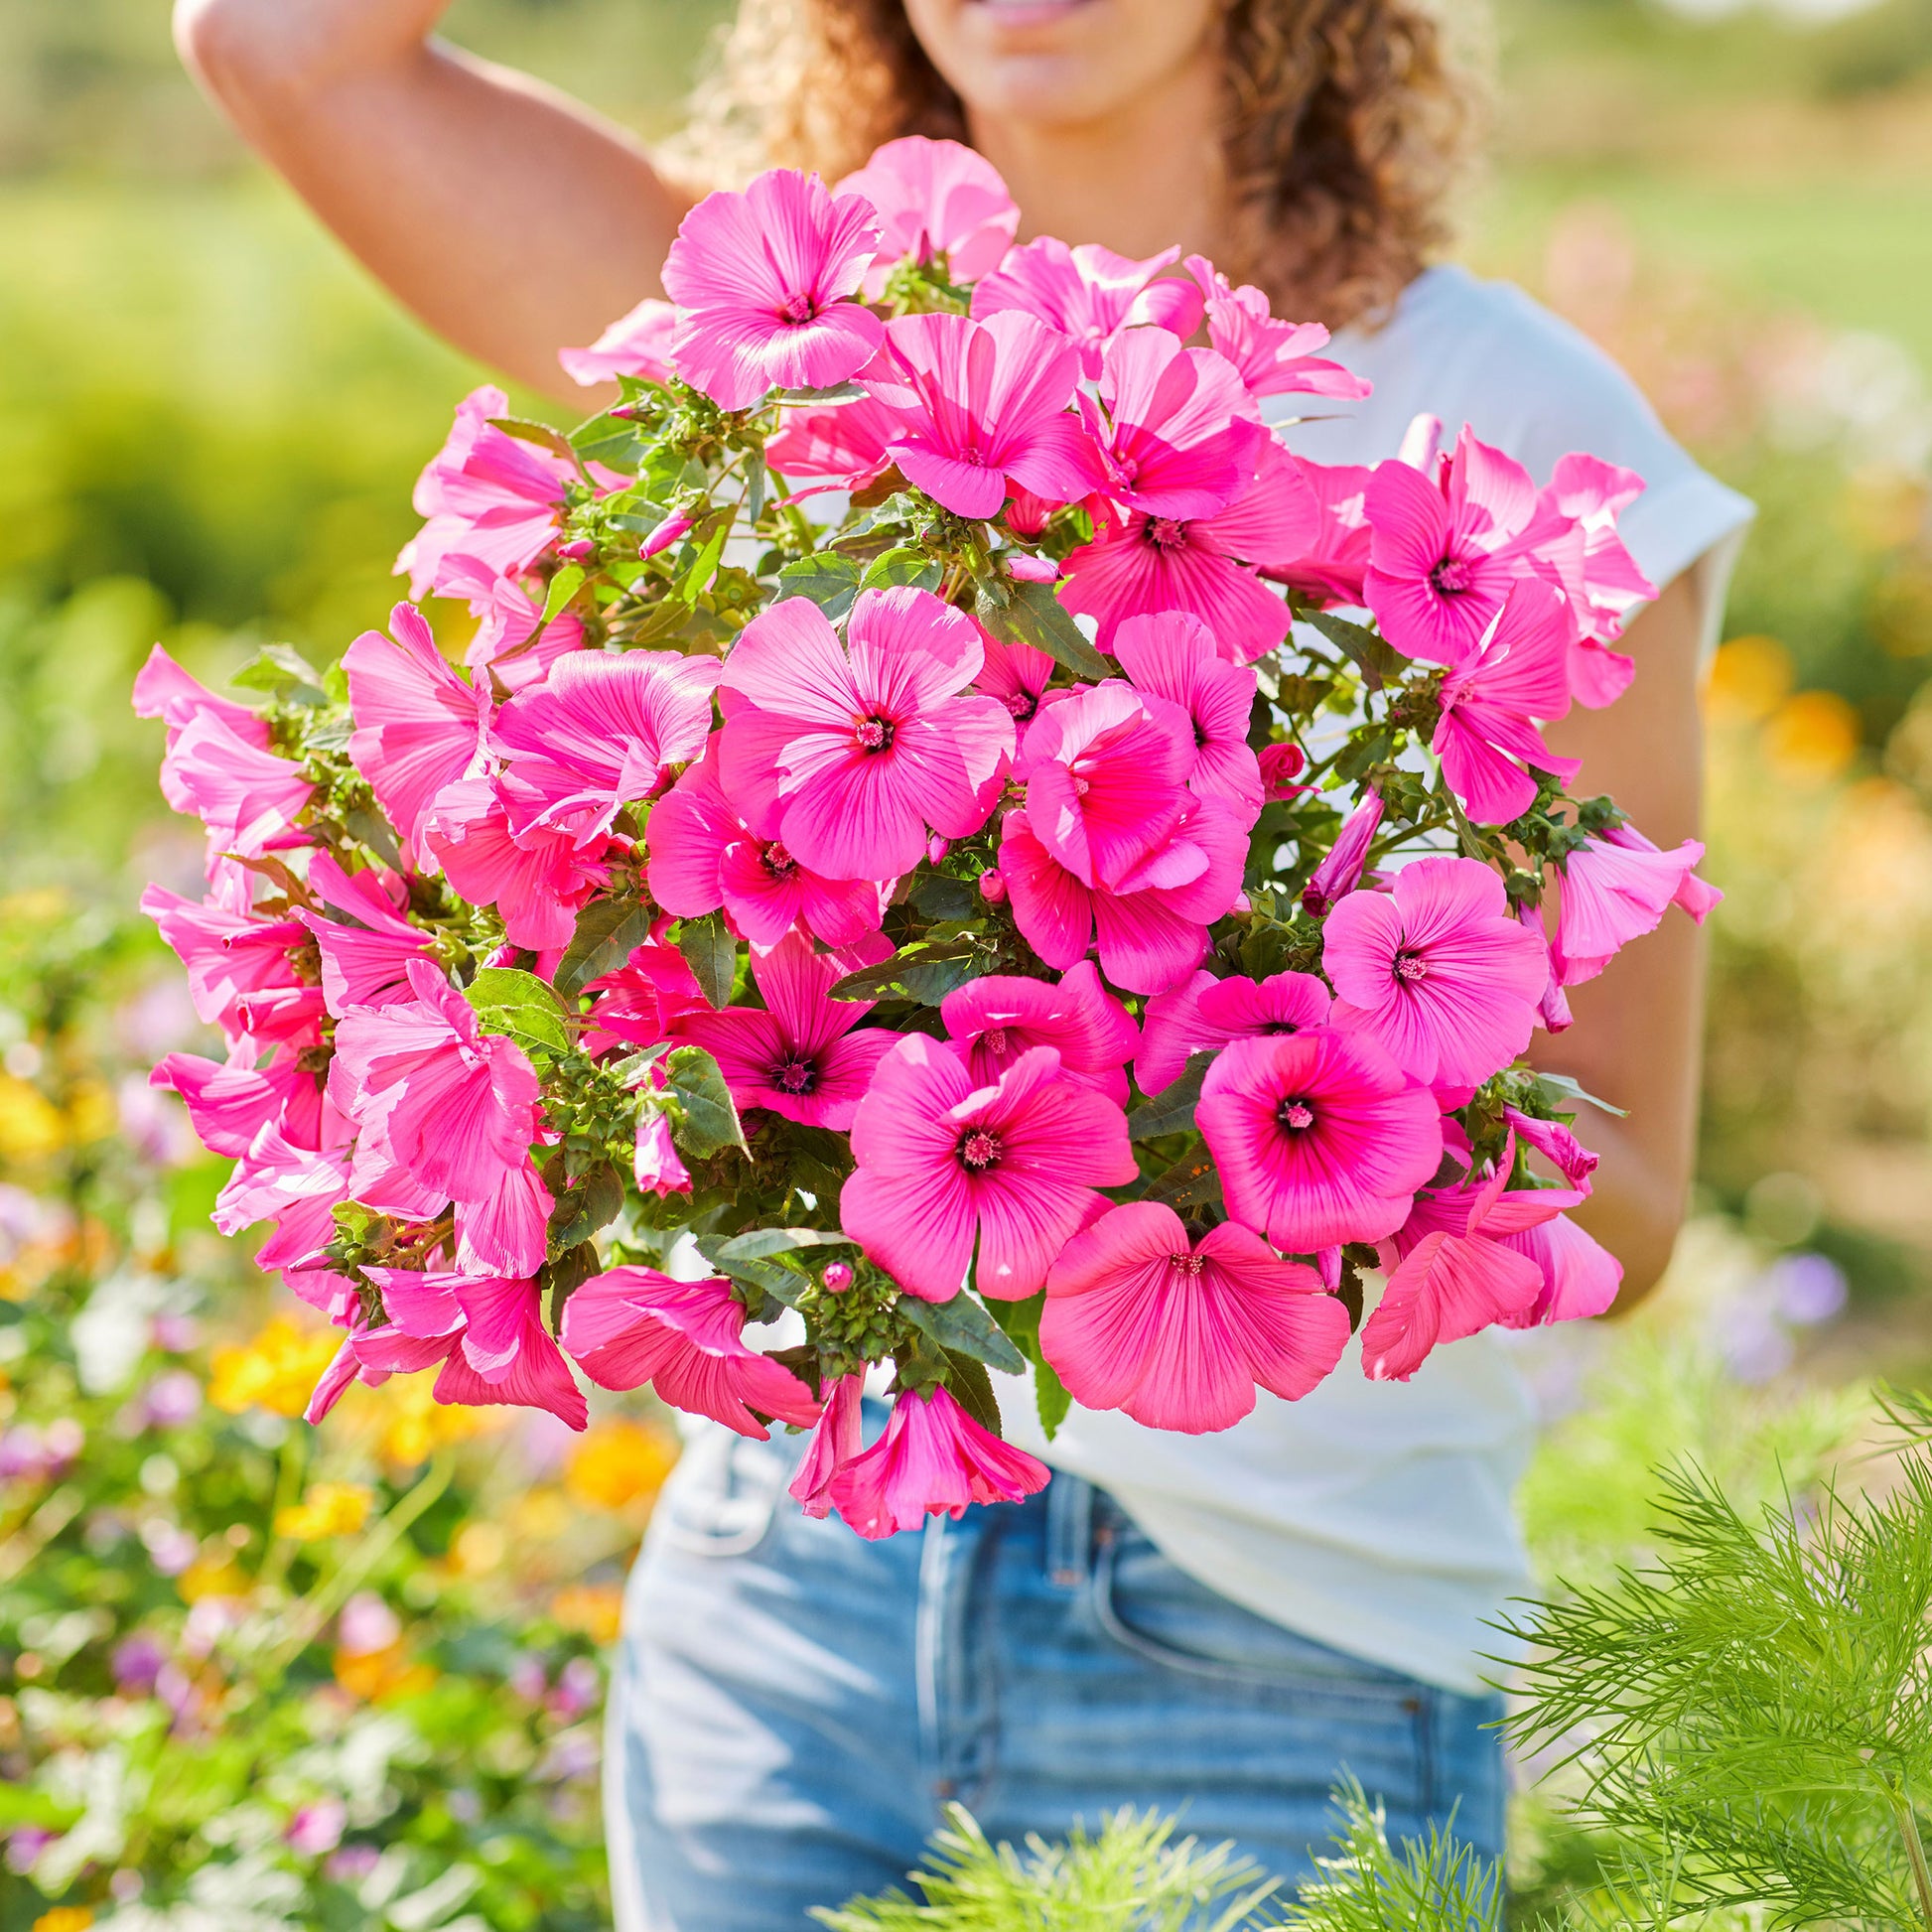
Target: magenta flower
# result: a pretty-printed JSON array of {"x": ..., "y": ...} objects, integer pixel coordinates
[
  {"x": 1320, "y": 1136},
  {"x": 765, "y": 280},
  {"x": 248, "y": 798},
  {"x": 1558, "y": 1144},
  {"x": 643, "y": 1001},
  {"x": 639, "y": 343},
  {"x": 316, "y": 1828},
  {"x": 1279, "y": 766},
  {"x": 489, "y": 497},
  {"x": 799, "y": 1058},
  {"x": 536, "y": 882},
  {"x": 1177, "y": 1336},
  {"x": 600, "y": 732},
  {"x": 163, "y": 690},
  {"x": 1205, "y": 1013},
  {"x": 849, "y": 753},
  {"x": 704, "y": 856},
  {"x": 1106, "y": 771},
  {"x": 367, "y": 945},
  {"x": 227, "y": 955},
  {"x": 935, "y": 198},
  {"x": 1437, "y": 970},
  {"x": 1331, "y": 565},
  {"x": 1016, "y": 674},
  {"x": 454, "y": 1106},
  {"x": 633, "y": 1325},
  {"x": 1616, "y": 886},
  {"x": 996, "y": 1020},
  {"x": 941, "y": 1161},
  {"x": 1149, "y": 933},
  {"x": 1177, "y": 434},
  {"x": 1088, "y": 294},
  {"x": 834, "y": 445},
  {"x": 837, "y": 1442},
  {"x": 230, "y": 1105},
  {"x": 1600, "y": 576},
  {"x": 655, "y": 1164},
  {"x": 1174, "y": 656},
  {"x": 1581, "y": 1276},
  {"x": 1140, "y": 564},
  {"x": 1273, "y": 358},
  {"x": 1340, "y": 869},
  {"x": 980, "y": 406},
  {"x": 932, "y": 1461}
]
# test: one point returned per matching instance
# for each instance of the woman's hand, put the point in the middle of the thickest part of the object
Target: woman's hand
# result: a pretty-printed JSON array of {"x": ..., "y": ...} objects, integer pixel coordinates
[{"x": 510, "y": 219}]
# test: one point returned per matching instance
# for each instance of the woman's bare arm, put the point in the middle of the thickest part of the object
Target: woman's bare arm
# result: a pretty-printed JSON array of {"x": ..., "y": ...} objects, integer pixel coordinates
[
  {"x": 1639, "y": 1026},
  {"x": 510, "y": 219}
]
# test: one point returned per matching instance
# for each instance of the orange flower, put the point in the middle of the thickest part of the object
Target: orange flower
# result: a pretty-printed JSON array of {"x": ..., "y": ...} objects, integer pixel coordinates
[
  {"x": 1749, "y": 678},
  {"x": 597, "y": 1610},
  {"x": 619, "y": 1462},
  {"x": 375, "y": 1676},
  {"x": 1812, "y": 736}
]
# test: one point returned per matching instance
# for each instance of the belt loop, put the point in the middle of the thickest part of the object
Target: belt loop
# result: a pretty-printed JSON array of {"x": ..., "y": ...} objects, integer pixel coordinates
[{"x": 1069, "y": 1530}]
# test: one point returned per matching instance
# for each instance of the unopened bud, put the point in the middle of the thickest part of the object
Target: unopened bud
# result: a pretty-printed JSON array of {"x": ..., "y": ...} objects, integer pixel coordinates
[
  {"x": 667, "y": 533},
  {"x": 1025, "y": 568},
  {"x": 837, "y": 1277},
  {"x": 993, "y": 888},
  {"x": 577, "y": 550},
  {"x": 1281, "y": 766},
  {"x": 936, "y": 847}
]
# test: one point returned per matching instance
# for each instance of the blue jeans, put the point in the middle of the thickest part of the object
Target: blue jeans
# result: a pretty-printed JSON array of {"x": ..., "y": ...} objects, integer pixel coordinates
[{"x": 793, "y": 1705}]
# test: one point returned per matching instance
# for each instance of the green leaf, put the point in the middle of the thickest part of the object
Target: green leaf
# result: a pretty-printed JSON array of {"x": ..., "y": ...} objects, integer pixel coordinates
[
  {"x": 1559, "y": 1091},
  {"x": 542, "y": 434},
  {"x": 972, "y": 1389},
  {"x": 607, "y": 930},
  {"x": 704, "y": 566},
  {"x": 1189, "y": 1183},
  {"x": 1364, "y": 748},
  {"x": 905, "y": 565},
  {"x": 518, "y": 1004},
  {"x": 1021, "y": 1320},
  {"x": 282, "y": 670},
  {"x": 962, "y": 1326},
  {"x": 563, "y": 587},
  {"x": 1375, "y": 658},
  {"x": 1032, "y": 614},
  {"x": 1171, "y": 1110},
  {"x": 595, "y": 1202},
  {"x": 562, "y": 1278},
  {"x": 369, "y": 830},
  {"x": 933, "y": 968},
  {"x": 935, "y": 896},
  {"x": 760, "y": 1243},
  {"x": 712, "y": 954},
  {"x": 613, "y": 441},
  {"x": 762, "y": 1271},
  {"x": 828, "y": 576},
  {"x": 1052, "y": 1399},
  {"x": 710, "y": 1120}
]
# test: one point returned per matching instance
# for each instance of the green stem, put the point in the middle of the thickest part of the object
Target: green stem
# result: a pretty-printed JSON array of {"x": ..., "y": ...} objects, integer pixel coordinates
[
  {"x": 1914, "y": 1853},
  {"x": 293, "y": 1462}
]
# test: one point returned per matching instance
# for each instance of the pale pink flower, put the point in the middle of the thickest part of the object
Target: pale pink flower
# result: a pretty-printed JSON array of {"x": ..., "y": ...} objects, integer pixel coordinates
[
  {"x": 1204, "y": 1012},
  {"x": 536, "y": 882},
  {"x": 297, "y": 1188},
  {"x": 365, "y": 942},
  {"x": 633, "y": 1325},
  {"x": 995, "y": 1019},
  {"x": 1616, "y": 886},
  {"x": 765, "y": 280},
  {"x": 505, "y": 1231},
  {"x": 655, "y": 1164},
  {"x": 835, "y": 1443},
  {"x": 1600, "y": 576},
  {"x": 935, "y": 198},
  {"x": 227, "y": 955},
  {"x": 1174, "y": 656},
  {"x": 489, "y": 497},
  {"x": 639, "y": 343},
  {"x": 1088, "y": 294},
  {"x": 316, "y": 1828},
  {"x": 836, "y": 446},
  {"x": 1140, "y": 1319},
  {"x": 1273, "y": 358},
  {"x": 1319, "y": 1136},
  {"x": 703, "y": 855},
  {"x": 980, "y": 405},
  {"x": 934, "y": 1459},
  {"x": 1437, "y": 970},
  {"x": 941, "y": 1161},
  {"x": 848, "y": 754},
  {"x": 799, "y": 1056},
  {"x": 600, "y": 733},
  {"x": 1149, "y": 934},
  {"x": 1330, "y": 568},
  {"x": 1340, "y": 869}
]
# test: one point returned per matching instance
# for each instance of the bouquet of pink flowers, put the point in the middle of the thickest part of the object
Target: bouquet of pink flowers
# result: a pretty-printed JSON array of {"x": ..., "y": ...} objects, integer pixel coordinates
[{"x": 912, "y": 842}]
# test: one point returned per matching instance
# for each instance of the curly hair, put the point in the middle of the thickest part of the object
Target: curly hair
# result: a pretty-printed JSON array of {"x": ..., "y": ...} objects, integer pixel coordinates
[{"x": 1348, "y": 123}]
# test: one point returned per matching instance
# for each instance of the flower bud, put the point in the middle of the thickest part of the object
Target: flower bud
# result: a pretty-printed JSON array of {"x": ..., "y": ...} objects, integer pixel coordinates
[
  {"x": 577, "y": 550},
  {"x": 1281, "y": 766},
  {"x": 1341, "y": 870},
  {"x": 667, "y": 533},
  {"x": 936, "y": 847},
  {"x": 837, "y": 1277},
  {"x": 1025, "y": 568},
  {"x": 993, "y": 888}
]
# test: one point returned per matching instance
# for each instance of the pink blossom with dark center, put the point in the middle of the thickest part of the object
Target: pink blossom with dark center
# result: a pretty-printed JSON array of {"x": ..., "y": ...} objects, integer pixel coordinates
[
  {"x": 766, "y": 281},
  {"x": 1088, "y": 294},
  {"x": 996, "y": 1020},
  {"x": 1016, "y": 675},
  {"x": 1174, "y": 656},
  {"x": 1139, "y": 1317},
  {"x": 943, "y": 1161},
  {"x": 1205, "y": 1013},
  {"x": 1320, "y": 1136},
  {"x": 935, "y": 198}
]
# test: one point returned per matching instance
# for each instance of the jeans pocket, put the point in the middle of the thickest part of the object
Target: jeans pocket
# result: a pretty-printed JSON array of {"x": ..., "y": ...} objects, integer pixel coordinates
[{"x": 722, "y": 1496}]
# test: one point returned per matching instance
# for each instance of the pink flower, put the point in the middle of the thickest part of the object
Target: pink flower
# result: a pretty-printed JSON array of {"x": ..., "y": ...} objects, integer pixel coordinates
[
  {"x": 1320, "y": 1136},
  {"x": 1616, "y": 886},
  {"x": 1600, "y": 576},
  {"x": 1149, "y": 933},
  {"x": 838, "y": 446},
  {"x": 1205, "y": 1013},
  {"x": 368, "y": 945},
  {"x": 1443, "y": 555},
  {"x": 600, "y": 732},
  {"x": 512, "y": 646},
  {"x": 1088, "y": 294},
  {"x": 1177, "y": 432},
  {"x": 656, "y": 1166},
  {"x": 996, "y": 1020},
  {"x": 848, "y": 754},
  {"x": 704, "y": 856},
  {"x": 1174, "y": 656},
  {"x": 295, "y": 1187},
  {"x": 941, "y": 1161},
  {"x": 1144, "y": 564},
  {"x": 248, "y": 798},
  {"x": 230, "y": 1105},
  {"x": 1436, "y": 970},
  {"x": 932, "y": 1461},
  {"x": 643, "y": 1001},
  {"x": 765, "y": 280},
  {"x": 1558, "y": 1144},
  {"x": 536, "y": 882},
  {"x": 633, "y": 1325},
  {"x": 1581, "y": 1276},
  {"x": 418, "y": 725},
  {"x": 1273, "y": 358},
  {"x": 229, "y": 955},
  {"x": 835, "y": 1443},
  {"x": 1553, "y": 1009},
  {"x": 316, "y": 1828},
  {"x": 1340, "y": 869},
  {"x": 1016, "y": 674},
  {"x": 454, "y": 1106},
  {"x": 799, "y": 1058},
  {"x": 639, "y": 343},
  {"x": 979, "y": 405},
  {"x": 1279, "y": 766},
  {"x": 489, "y": 497},
  {"x": 164, "y": 690},
  {"x": 935, "y": 198},
  {"x": 503, "y": 1232},
  {"x": 1333, "y": 563},
  {"x": 1139, "y": 1318}
]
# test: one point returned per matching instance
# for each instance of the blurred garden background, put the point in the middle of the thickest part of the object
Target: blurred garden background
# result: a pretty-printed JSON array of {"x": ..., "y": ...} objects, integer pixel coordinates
[{"x": 252, "y": 1677}]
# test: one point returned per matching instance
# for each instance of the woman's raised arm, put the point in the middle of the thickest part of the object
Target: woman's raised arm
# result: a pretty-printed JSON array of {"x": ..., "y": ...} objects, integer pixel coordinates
[{"x": 510, "y": 219}]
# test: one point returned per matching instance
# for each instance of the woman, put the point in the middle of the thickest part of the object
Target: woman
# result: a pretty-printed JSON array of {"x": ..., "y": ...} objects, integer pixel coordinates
[{"x": 1224, "y": 1622}]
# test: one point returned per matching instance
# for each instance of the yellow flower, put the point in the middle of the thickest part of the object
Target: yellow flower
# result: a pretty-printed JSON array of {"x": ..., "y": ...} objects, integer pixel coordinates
[
  {"x": 405, "y": 1422},
  {"x": 1812, "y": 736},
  {"x": 277, "y": 1371},
  {"x": 373, "y": 1675},
  {"x": 540, "y": 1514},
  {"x": 618, "y": 1463},
  {"x": 597, "y": 1610},
  {"x": 64, "y": 1918},
  {"x": 30, "y": 1123},
  {"x": 1749, "y": 679},
  {"x": 328, "y": 1509},
  {"x": 478, "y": 1548},
  {"x": 92, "y": 1112},
  {"x": 211, "y": 1576}
]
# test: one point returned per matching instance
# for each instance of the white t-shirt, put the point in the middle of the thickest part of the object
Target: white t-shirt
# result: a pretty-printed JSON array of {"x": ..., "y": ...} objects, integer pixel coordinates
[{"x": 1377, "y": 1517}]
